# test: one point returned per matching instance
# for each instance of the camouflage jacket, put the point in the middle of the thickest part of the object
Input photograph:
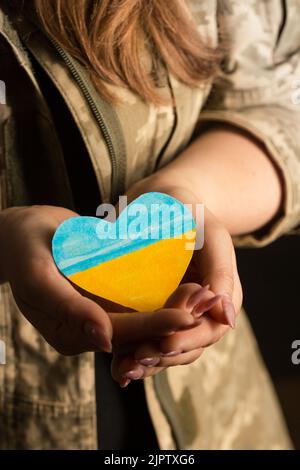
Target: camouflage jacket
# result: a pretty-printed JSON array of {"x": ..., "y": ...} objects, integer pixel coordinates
[{"x": 225, "y": 400}]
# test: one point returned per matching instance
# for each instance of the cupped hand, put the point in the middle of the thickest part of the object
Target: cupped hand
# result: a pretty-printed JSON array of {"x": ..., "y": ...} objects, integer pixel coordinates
[
  {"x": 180, "y": 347},
  {"x": 68, "y": 320},
  {"x": 143, "y": 343},
  {"x": 64, "y": 317},
  {"x": 216, "y": 307}
]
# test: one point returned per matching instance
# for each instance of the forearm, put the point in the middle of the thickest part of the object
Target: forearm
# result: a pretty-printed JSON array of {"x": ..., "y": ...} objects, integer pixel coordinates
[{"x": 232, "y": 175}]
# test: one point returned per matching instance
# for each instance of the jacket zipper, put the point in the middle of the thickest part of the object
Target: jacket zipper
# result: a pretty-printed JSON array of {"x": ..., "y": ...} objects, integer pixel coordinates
[{"x": 118, "y": 168}]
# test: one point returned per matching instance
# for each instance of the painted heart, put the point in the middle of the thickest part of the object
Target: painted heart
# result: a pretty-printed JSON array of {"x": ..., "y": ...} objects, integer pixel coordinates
[{"x": 138, "y": 261}]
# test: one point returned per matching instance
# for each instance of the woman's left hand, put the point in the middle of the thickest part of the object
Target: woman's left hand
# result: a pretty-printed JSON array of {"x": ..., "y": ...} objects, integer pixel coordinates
[{"x": 216, "y": 306}]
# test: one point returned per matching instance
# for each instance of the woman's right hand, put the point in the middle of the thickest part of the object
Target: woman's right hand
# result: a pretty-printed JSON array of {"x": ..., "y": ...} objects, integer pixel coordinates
[
  {"x": 42, "y": 294},
  {"x": 69, "y": 321}
]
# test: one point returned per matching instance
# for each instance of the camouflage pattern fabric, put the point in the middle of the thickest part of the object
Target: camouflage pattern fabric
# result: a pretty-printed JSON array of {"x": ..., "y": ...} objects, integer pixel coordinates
[{"x": 225, "y": 400}]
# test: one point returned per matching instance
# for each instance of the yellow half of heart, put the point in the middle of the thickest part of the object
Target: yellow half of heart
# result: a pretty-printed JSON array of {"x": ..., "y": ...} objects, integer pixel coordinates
[{"x": 143, "y": 279}]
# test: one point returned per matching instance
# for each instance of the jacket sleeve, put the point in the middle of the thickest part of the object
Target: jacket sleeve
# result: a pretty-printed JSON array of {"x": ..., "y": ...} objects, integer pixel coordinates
[
  {"x": 259, "y": 91},
  {"x": 3, "y": 183}
]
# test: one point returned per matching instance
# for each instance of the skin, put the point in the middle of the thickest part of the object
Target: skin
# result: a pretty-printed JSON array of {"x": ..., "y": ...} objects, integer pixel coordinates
[{"x": 224, "y": 169}]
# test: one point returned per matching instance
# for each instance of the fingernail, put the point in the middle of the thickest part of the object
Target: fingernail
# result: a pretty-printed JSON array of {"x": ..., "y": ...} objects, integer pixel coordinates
[
  {"x": 229, "y": 311},
  {"x": 201, "y": 308},
  {"x": 171, "y": 354},
  {"x": 124, "y": 383},
  {"x": 197, "y": 296},
  {"x": 149, "y": 361},
  {"x": 98, "y": 338},
  {"x": 133, "y": 375}
]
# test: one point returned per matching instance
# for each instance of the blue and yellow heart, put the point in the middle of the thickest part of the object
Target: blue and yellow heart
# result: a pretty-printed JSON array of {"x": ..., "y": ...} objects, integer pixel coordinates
[{"x": 138, "y": 261}]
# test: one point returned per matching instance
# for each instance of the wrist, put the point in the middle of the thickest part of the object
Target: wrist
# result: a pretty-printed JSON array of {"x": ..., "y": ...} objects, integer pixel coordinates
[{"x": 169, "y": 184}]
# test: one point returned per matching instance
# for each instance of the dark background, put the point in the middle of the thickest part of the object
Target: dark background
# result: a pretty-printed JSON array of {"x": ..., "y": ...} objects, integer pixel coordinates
[{"x": 270, "y": 278}]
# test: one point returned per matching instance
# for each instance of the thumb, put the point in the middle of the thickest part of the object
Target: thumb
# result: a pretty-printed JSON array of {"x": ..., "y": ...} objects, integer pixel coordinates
[
  {"x": 218, "y": 270},
  {"x": 92, "y": 328},
  {"x": 222, "y": 282}
]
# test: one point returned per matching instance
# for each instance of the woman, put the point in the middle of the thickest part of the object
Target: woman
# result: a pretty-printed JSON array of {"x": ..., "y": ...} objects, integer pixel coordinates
[{"x": 101, "y": 97}]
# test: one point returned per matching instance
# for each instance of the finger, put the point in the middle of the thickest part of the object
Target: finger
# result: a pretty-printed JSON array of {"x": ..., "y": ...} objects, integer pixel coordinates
[
  {"x": 137, "y": 327},
  {"x": 70, "y": 322},
  {"x": 194, "y": 298},
  {"x": 125, "y": 367},
  {"x": 218, "y": 271},
  {"x": 121, "y": 376},
  {"x": 207, "y": 333},
  {"x": 180, "y": 360},
  {"x": 186, "y": 296},
  {"x": 149, "y": 354},
  {"x": 170, "y": 361}
]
